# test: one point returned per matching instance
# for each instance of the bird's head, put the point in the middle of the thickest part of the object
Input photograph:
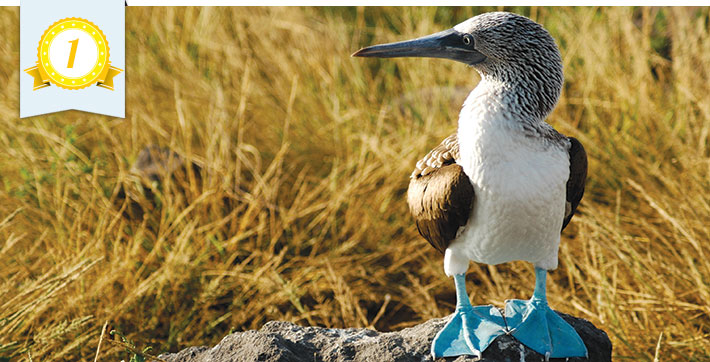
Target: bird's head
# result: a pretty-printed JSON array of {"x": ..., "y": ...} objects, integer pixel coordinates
[{"x": 501, "y": 46}]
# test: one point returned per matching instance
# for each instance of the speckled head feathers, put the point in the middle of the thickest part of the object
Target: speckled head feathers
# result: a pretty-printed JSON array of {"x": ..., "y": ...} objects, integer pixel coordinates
[
  {"x": 518, "y": 51},
  {"x": 510, "y": 37}
]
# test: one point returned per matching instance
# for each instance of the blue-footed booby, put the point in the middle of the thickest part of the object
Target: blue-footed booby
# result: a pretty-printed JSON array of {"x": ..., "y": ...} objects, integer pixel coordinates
[{"x": 505, "y": 184}]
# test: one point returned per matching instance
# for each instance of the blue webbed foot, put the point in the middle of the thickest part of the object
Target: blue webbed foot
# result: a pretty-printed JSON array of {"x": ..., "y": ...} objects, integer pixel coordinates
[
  {"x": 470, "y": 330},
  {"x": 541, "y": 329}
]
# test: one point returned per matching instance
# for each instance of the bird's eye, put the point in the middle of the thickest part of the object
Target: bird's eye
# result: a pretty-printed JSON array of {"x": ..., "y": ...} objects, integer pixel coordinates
[{"x": 467, "y": 40}]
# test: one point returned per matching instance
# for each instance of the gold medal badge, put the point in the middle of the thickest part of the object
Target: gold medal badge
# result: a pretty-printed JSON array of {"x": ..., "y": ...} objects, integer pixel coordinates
[{"x": 73, "y": 53}]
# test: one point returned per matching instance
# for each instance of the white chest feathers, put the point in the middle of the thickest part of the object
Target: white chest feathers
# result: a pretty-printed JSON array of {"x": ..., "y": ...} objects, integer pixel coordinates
[{"x": 519, "y": 180}]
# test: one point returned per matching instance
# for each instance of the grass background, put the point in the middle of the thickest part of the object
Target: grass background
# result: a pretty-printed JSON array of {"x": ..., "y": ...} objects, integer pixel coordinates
[{"x": 301, "y": 212}]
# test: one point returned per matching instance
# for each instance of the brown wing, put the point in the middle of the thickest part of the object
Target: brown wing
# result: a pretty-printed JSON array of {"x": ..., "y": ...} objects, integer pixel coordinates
[
  {"x": 577, "y": 178},
  {"x": 440, "y": 195}
]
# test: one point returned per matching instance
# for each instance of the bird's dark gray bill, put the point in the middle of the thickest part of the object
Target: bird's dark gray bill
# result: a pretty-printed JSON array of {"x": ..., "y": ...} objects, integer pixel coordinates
[{"x": 448, "y": 44}]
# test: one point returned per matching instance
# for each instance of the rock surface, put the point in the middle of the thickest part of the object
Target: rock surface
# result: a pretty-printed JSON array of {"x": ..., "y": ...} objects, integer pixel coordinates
[{"x": 284, "y": 341}]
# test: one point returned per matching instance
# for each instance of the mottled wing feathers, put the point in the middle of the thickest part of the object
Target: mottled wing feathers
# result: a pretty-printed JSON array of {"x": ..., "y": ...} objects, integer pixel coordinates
[
  {"x": 440, "y": 195},
  {"x": 577, "y": 178},
  {"x": 444, "y": 154}
]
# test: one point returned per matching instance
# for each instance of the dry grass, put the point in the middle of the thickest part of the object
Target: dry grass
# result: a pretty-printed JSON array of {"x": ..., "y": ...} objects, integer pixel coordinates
[{"x": 311, "y": 150}]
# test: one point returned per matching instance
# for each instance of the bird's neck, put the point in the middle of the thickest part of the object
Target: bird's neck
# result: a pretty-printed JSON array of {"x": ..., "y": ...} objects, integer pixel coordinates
[
  {"x": 503, "y": 102},
  {"x": 521, "y": 92},
  {"x": 504, "y": 112}
]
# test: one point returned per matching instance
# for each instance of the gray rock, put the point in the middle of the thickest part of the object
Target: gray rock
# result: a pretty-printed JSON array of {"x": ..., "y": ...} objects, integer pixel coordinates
[{"x": 284, "y": 341}]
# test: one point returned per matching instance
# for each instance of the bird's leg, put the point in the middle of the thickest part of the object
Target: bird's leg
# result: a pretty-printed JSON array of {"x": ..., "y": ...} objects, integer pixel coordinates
[
  {"x": 541, "y": 329},
  {"x": 470, "y": 330},
  {"x": 462, "y": 300},
  {"x": 540, "y": 292}
]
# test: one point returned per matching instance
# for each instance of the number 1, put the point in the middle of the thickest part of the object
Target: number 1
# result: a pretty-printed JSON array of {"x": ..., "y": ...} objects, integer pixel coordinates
[{"x": 72, "y": 53}]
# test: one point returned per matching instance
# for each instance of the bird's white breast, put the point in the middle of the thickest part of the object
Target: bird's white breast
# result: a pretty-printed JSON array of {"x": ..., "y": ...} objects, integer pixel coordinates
[{"x": 519, "y": 182}]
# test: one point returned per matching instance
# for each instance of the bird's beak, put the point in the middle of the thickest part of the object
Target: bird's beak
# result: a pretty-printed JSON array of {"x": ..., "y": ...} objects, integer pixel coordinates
[{"x": 448, "y": 44}]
